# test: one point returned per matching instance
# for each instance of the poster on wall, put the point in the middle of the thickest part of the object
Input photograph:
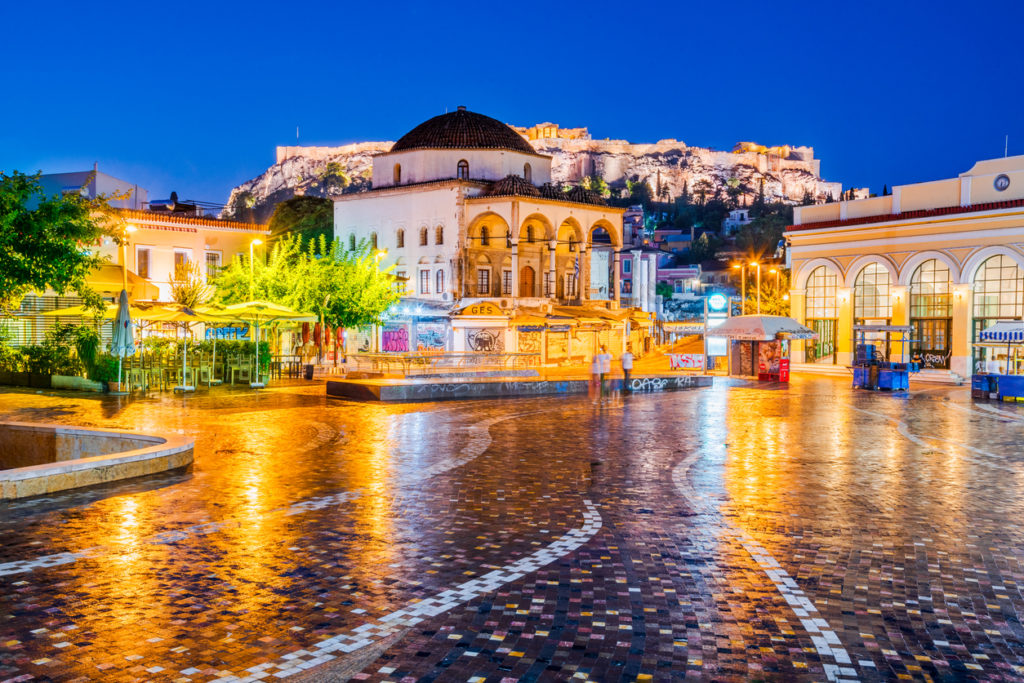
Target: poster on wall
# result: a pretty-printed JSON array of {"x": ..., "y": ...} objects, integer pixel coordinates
[
  {"x": 485, "y": 339},
  {"x": 529, "y": 342},
  {"x": 768, "y": 355},
  {"x": 362, "y": 341},
  {"x": 394, "y": 339},
  {"x": 558, "y": 347},
  {"x": 431, "y": 336},
  {"x": 599, "y": 273}
]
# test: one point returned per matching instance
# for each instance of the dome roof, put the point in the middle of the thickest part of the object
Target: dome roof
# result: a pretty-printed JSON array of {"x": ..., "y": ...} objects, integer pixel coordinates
[
  {"x": 512, "y": 185},
  {"x": 463, "y": 129}
]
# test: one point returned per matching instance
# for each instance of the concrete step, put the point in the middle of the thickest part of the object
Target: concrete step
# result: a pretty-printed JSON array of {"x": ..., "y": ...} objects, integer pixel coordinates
[
  {"x": 937, "y": 377},
  {"x": 821, "y": 369}
]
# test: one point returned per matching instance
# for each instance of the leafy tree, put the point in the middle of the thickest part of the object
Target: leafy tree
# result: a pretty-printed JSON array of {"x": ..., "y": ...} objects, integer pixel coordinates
[
  {"x": 761, "y": 235},
  {"x": 242, "y": 207},
  {"x": 343, "y": 288},
  {"x": 664, "y": 290},
  {"x": 188, "y": 287},
  {"x": 308, "y": 217},
  {"x": 45, "y": 241},
  {"x": 333, "y": 178},
  {"x": 774, "y": 299},
  {"x": 704, "y": 248},
  {"x": 639, "y": 192},
  {"x": 595, "y": 183}
]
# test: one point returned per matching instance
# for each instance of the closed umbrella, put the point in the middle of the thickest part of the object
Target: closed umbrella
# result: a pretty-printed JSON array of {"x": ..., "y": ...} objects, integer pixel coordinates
[{"x": 123, "y": 342}]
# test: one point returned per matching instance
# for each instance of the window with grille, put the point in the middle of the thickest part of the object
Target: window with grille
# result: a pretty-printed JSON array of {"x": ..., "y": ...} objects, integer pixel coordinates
[
  {"x": 423, "y": 237},
  {"x": 871, "y": 300},
  {"x": 483, "y": 281},
  {"x": 821, "y": 294},
  {"x": 930, "y": 290},
  {"x": 485, "y": 237},
  {"x": 998, "y": 289},
  {"x": 440, "y": 281},
  {"x": 463, "y": 170},
  {"x": 424, "y": 281},
  {"x": 142, "y": 261},
  {"x": 400, "y": 239},
  {"x": 212, "y": 264},
  {"x": 506, "y": 283},
  {"x": 439, "y": 235}
]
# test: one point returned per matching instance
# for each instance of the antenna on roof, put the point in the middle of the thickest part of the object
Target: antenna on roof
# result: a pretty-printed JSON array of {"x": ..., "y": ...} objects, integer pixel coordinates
[
  {"x": 1006, "y": 146},
  {"x": 296, "y": 133}
]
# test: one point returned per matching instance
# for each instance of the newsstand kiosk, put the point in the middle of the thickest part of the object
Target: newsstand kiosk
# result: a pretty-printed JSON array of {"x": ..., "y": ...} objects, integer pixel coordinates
[{"x": 999, "y": 373}]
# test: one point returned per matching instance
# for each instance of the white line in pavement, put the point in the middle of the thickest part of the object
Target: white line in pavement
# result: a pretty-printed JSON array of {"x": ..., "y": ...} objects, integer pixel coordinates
[
  {"x": 823, "y": 637},
  {"x": 416, "y": 612},
  {"x": 479, "y": 441}
]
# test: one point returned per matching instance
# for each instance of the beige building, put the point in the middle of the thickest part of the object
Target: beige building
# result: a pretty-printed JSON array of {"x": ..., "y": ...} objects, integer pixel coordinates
[{"x": 945, "y": 257}]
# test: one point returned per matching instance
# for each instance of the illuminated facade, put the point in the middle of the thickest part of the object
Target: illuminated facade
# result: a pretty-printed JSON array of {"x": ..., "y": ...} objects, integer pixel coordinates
[
  {"x": 465, "y": 210},
  {"x": 945, "y": 257}
]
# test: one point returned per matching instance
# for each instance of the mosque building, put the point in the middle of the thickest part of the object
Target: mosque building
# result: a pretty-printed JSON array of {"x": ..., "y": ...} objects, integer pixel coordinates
[{"x": 464, "y": 210}]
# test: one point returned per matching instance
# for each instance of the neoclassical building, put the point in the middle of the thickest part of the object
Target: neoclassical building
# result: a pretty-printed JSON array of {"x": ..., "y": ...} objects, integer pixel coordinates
[
  {"x": 945, "y": 257},
  {"x": 465, "y": 211}
]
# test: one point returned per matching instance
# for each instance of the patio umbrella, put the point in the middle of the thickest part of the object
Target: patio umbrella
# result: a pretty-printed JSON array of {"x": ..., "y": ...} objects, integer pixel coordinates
[
  {"x": 1008, "y": 331},
  {"x": 179, "y": 313},
  {"x": 761, "y": 328},
  {"x": 261, "y": 313},
  {"x": 123, "y": 342}
]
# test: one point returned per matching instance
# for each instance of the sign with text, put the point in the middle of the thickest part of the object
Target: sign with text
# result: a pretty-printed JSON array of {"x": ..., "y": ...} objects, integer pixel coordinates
[{"x": 482, "y": 308}]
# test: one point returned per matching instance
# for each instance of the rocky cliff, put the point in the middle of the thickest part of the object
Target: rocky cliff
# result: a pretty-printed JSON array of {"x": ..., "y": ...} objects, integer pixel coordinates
[{"x": 668, "y": 166}]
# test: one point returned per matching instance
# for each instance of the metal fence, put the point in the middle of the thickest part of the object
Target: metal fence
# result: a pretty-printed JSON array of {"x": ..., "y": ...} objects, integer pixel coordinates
[{"x": 411, "y": 364}]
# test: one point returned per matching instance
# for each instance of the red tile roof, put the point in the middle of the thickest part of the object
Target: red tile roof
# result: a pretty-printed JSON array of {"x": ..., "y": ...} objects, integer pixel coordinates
[{"x": 907, "y": 215}]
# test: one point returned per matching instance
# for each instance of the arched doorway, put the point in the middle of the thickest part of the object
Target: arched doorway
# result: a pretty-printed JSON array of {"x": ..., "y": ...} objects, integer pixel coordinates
[
  {"x": 822, "y": 315},
  {"x": 872, "y": 304},
  {"x": 931, "y": 313},
  {"x": 998, "y": 295},
  {"x": 526, "y": 279}
]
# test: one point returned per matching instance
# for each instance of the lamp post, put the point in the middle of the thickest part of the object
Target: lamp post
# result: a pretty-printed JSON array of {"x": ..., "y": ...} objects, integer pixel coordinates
[
  {"x": 128, "y": 229},
  {"x": 758, "y": 266},
  {"x": 252, "y": 269},
  {"x": 743, "y": 287}
]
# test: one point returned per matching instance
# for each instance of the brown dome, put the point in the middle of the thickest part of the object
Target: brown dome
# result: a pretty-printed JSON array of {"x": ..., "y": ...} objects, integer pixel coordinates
[
  {"x": 512, "y": 185},
  {"x": 463, "y": 129}
]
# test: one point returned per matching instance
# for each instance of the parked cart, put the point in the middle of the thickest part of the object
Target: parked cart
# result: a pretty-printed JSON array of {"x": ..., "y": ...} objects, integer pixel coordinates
[{"x": 873, "y": 367}]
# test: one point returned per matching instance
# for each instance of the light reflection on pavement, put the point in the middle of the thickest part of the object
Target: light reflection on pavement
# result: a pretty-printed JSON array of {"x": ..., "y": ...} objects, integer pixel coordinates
[{"x": 303, "y": 520}]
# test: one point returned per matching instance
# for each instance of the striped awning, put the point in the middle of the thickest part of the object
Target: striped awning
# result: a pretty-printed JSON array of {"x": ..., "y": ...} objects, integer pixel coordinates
[{"x": 1004, "y": 331}]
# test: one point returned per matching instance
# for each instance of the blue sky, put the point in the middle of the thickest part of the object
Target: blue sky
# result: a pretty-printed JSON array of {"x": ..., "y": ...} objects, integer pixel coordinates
[{"x": 194, "y": 96}]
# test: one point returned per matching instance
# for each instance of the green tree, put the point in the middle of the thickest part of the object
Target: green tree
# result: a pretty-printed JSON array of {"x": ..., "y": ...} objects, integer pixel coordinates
[
  {"x": 774, "y": 298},
  {"x": 761, "y": 235},
  {"x": 333, "y": 178},
  {"x": 704, "y": 248},
  {"x": 46, "y": 242},
  {"x": 188, "y": 287},
  {"x": 595, "y": 183},
  {"x": 308, "y": 217},
  {"x": 639, "y": 192},
  {"x": 702, "y": 188}
]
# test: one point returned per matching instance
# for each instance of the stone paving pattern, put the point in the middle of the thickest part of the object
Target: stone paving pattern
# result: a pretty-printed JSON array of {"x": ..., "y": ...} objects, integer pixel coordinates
[{"x": 734, "y": 533}]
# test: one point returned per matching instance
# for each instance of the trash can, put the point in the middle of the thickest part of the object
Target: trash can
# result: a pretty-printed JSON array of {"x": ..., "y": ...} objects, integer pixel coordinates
[{"x": 309, "y": 372}]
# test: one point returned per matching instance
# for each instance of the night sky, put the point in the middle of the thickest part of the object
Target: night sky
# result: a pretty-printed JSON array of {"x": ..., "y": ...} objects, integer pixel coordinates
[{"x": 194, "y": 97}]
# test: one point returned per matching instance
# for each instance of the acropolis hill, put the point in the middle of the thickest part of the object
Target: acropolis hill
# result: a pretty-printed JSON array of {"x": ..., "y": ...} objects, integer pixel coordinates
[{"x": 789, "y": 173}]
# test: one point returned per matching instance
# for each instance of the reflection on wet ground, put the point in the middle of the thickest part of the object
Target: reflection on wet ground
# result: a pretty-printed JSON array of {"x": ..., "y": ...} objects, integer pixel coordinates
[{"x": 737, "y": 532}]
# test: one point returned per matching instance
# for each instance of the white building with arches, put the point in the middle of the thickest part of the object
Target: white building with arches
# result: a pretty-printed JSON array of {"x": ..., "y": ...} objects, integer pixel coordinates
[
  {"x": 464, "y": 210},
  {"x": 944, "y": 257}
]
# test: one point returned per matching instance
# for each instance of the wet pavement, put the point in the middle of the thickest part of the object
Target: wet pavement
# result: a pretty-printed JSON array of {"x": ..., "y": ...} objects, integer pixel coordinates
[{"x": 739, "y": 532}]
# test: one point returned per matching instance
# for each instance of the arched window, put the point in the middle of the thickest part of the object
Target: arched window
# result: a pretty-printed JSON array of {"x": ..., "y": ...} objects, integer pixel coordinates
[
  {"x": 527, "y": 173},
  {"x": 572, "y": 243},
  {"x": 529, "y": 233},
  {"x": 822, "y": 312},
  {"x": 398, "y": 174},
  {"x": 439, "y": 235},
  {"x": 871, "y": 300},
  {"x": 373, "y": 240},
  {"x": 400, "y": 239},
  {"x": 998, "y": 294},
  {"x": 485, "y": 237},
  {"x": 423, "y": 237},
  {"x": 440, "y": 281},
  {"x": 352, "y": 242},
  {"x": 931, "y": 313},
  {"x": 463, "y": 171}
]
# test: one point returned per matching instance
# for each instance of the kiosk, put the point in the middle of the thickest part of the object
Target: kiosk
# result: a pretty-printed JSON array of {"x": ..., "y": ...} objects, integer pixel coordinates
[
  {"x": 999, "y": 373},
  {"x": 872, "y": 367},
  {"x": 760, "y": 344}
]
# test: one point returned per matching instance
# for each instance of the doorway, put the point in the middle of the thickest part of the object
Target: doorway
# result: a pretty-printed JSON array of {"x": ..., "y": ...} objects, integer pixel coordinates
[{"x": 526, "y": 278}]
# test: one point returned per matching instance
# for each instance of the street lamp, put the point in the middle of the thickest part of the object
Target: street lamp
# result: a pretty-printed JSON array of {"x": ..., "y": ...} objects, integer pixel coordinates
[
  {"x": 775, "y": 271},
  {"x": 743, "y": 287},
  {"x": 758, "y": 266},
  {"x": 128, "y": 229},
  {"x": 252, "y": 271}
]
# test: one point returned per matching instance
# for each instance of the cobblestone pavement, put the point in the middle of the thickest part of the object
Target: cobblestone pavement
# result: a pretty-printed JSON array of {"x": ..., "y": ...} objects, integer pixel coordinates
[{"x": 739, "y": 532}]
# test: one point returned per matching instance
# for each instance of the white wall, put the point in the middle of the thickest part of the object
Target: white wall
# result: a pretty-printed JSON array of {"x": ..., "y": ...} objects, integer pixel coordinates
[
  {"x": 388, "y": 212},
  {"x": 423, "y": 165}
]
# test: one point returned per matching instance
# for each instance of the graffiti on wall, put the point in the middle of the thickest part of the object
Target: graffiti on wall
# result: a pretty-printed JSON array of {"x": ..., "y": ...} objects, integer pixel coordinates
[
  {"x": 529, "y": 342},
  {"x": 490, "y": 340},
  {"x": 395, "y": 340},
  {"x": 431, "y": 336}
]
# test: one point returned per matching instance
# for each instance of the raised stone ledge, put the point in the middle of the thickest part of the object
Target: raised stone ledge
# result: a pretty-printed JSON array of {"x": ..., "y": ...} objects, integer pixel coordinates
[{"x": 81, "y": 457}]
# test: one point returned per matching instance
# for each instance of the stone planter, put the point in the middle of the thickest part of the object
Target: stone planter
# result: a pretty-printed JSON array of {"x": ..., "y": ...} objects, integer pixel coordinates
[
  {"x": 114, "y": 387},
  {"x": 75, "y": 383}
]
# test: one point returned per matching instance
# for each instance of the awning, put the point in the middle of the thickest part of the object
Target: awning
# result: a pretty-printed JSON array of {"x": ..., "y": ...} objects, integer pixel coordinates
[
  {"x": 761, "y": 328},
  {"x": 108, "y": 280},
  {"x": 1004, "y": 331}
]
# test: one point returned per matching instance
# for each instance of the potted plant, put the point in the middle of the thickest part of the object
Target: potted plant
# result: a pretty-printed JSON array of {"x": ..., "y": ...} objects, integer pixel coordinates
[{"x": 105, "y": 370}]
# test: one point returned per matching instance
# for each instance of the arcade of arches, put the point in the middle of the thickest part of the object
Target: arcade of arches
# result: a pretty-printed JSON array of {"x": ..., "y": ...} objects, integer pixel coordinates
[{"x": 945, "y": 304}]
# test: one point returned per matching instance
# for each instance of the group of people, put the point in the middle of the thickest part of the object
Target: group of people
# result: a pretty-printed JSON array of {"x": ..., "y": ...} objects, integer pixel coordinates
[{"x": 601, "y": 369}]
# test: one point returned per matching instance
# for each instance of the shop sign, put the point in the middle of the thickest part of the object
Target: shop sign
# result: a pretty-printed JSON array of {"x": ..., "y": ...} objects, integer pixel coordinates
[{"x": 481, "y": 309}]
